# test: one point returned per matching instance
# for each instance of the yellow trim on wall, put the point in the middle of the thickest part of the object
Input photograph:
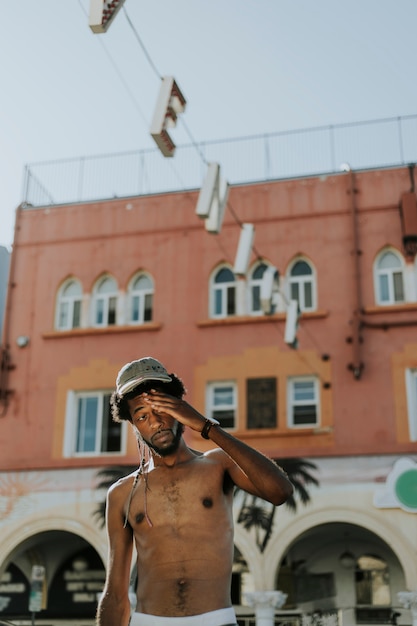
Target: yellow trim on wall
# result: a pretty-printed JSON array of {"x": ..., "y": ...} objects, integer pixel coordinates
[
  {"x": 274, "y": 363},
  {"x": 401, "y": 362},
  {"x": 99, "y": 374}
]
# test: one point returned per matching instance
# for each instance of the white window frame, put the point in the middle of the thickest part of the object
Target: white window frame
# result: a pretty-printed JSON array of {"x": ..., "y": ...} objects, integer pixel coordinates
[
  {"x": 388, "y": 273},
  {"x": 72, "y": 423},
  {"x": 302, "y": 281},
  {"x": 411, "y": 390},
  {"x": 105, "y": 299},
  {"x": 221, "y": 290},
  {"x": 68, "y": 302},
  {"x": 293, "y": 402},
  {"x": 255, "y": 284},
  {"x": 212, "y": 408},
  {"x": 142, "y": 295}
]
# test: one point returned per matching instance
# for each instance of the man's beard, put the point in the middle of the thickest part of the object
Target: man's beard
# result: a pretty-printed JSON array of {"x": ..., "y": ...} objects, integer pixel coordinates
[{"x": 172, "y": 447}]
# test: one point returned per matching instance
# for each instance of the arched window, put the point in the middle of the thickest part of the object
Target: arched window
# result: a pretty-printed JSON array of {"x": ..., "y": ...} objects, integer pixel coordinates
[
  {"x": 223, "y": 293},
  {"x": 301, "y": 285},
  {"x": 141, "y": 299},
  {"x": 389, "y": 278},
  {"x": 68, "y": 310},
  {"x": 254, "y": 290},
  {"x": 105, "y": 302}
]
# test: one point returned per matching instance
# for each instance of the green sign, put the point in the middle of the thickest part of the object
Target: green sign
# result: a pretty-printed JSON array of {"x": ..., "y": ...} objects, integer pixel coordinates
[{"x": 406, "y": 488}]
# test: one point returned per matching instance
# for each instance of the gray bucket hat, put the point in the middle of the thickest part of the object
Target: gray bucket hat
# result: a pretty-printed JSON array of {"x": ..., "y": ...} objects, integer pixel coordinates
[{"x": 133, "y": 374}]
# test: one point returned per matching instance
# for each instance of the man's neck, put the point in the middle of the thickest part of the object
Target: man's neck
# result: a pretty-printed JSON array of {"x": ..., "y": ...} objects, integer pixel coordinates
[{"x": 183, "y": 454}]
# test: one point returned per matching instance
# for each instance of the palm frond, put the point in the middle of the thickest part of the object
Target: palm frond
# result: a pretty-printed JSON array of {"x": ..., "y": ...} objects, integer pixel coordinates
[
  {"x": 269, "y": 528},
  {"x": 255, "y": 515},
  {"x": 107, "y": 476},
  {"x": 100, "y": 514}
]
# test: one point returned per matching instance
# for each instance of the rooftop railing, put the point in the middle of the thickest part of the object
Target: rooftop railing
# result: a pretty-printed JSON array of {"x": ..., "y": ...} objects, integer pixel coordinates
[{"x": 315, "y": 151}]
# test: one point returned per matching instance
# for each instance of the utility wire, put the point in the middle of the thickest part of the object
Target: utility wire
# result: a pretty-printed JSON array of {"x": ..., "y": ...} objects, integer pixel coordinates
[
  {"x": 159, "y": 75},
  {"x": 193, "y": 142},
  {"x": 119, "y": 74},
  {"x": 125, "y": 84},
  {"x": 259, "y": 257},
  {"x": 303, "y": 357},
  {"x": 153, "y": 66},
  {"x": 144, "y": 50}
]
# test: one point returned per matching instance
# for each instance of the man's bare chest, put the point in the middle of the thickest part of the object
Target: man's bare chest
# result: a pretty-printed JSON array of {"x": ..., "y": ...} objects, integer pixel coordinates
[{"x": 178, "y": 495}]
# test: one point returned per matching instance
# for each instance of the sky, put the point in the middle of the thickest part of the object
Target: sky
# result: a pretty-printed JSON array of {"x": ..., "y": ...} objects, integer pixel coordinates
[{"x": 245, "y": 67}]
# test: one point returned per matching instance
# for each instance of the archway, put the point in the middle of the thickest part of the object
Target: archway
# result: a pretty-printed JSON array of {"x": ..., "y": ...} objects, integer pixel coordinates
[
  {"x": 74, "y": 576},
  {"x": 325, "y": 569}
]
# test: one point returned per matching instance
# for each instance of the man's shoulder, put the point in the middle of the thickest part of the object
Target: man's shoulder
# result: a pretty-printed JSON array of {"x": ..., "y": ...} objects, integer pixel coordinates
[
  {"x": 123, "y": 484},
  {"x": 213, "y": 453},
  {"x": 216, "y": 455}
]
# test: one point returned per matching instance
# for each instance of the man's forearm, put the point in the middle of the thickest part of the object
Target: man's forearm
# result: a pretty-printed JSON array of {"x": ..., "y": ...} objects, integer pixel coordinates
[
  {"x": 267, "y": 477},
  {"x": 111, "y": 612}
]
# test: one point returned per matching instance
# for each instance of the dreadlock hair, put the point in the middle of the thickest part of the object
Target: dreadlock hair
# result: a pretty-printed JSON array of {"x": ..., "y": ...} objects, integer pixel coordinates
[{"x": 119, "y": 405}]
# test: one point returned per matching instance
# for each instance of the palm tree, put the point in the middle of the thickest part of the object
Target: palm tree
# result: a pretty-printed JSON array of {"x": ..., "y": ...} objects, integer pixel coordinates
[
  {"x": 298, "y": 471},
  {"x": 259, "y": 514},
  {"x": 107, "y": 476},
  {"x": 254, "y": 512}
]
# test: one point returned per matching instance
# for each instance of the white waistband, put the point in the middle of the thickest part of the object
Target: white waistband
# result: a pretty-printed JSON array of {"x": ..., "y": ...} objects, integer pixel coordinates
[{"x": 222, "y": 617}]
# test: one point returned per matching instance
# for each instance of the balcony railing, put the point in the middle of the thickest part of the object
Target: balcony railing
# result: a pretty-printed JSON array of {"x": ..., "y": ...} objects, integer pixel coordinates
[
  {"x": 334, "y": 617},
  {"x": 305, "y": 152},
  {"x": 329, "y": 618}
]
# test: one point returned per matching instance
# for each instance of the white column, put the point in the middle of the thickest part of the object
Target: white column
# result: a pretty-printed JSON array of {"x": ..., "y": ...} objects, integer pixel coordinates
[
  {"x": 409, "y": 601},
  {"x": 265, "y": 603}
]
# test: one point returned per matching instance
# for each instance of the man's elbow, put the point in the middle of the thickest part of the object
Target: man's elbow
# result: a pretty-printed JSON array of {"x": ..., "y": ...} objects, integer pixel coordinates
[{"x": 283, "y": 493}]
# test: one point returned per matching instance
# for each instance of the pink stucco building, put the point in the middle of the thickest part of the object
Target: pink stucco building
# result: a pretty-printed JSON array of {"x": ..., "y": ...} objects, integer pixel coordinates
[{"x": 94, "y": 285}]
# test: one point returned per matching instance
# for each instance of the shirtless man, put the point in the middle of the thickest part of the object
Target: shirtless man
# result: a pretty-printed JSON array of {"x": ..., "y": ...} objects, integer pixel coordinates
[{"x": 176, "y": 508}]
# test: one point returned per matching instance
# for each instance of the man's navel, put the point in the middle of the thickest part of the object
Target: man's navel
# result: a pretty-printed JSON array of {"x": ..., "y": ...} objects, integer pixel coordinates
[{"x": 182, "y": 590}]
